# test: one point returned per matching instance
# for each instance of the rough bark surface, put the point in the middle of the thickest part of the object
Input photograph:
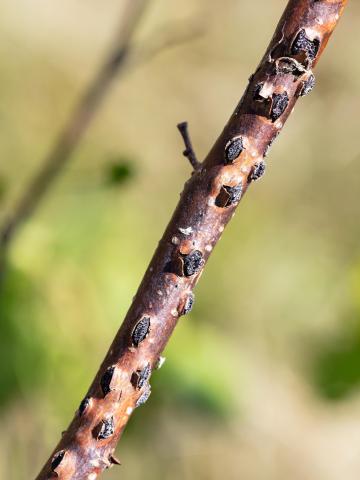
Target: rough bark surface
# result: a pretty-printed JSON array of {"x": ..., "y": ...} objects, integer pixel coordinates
[{"x": 206, "y": 205}]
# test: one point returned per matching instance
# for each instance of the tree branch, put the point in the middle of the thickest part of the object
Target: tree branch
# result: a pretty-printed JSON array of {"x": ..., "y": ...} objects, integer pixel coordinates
[{"x": 206, "y": 205}]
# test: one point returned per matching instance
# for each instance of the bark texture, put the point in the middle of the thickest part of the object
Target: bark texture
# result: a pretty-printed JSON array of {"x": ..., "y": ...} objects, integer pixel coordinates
[{"x": 206, "y": 205}]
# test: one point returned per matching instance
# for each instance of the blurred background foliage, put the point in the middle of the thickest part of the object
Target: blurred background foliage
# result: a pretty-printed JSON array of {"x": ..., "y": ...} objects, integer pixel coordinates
[{"x": 262, "y": 380}]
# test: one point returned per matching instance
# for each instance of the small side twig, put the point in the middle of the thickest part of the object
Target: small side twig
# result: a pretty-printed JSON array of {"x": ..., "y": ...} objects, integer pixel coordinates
[{"x": 189, "y": 151}]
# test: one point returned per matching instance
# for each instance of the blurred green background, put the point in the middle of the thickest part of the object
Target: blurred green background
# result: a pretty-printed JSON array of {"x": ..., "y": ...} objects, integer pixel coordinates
[{"x": 262, "y": 380}]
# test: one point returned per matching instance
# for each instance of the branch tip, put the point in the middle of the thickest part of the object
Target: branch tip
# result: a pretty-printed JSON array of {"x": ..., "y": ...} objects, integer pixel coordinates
[{"x": 189, "y": 151}]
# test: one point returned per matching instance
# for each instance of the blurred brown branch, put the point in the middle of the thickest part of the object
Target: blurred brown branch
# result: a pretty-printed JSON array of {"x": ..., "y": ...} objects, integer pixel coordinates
[
  {"x": 207, "y": 204},
  {"x": 123, "y": 53}
]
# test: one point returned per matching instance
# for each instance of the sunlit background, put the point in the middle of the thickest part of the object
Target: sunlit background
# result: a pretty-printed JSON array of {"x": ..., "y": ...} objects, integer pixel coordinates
[{"x": 262, "y": 379}]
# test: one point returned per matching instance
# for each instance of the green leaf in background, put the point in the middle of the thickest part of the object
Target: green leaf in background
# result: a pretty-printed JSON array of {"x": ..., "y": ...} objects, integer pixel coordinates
[
  {"x": 337, "y": 368},
  {"x": 119, "y": 171}
]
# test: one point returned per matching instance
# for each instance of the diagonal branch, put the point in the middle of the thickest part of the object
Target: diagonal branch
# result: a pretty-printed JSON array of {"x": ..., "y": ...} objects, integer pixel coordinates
[{"x": 206, "y": 205}]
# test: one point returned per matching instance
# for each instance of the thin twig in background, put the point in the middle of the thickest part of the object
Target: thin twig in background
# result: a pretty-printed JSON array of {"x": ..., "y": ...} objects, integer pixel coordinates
[
  {"x": 207, "y": 203},
  {"x": 122, "y": 54}
]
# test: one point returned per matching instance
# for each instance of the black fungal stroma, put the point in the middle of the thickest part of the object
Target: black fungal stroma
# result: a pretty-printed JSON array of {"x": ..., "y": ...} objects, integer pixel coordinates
[
  {"x": 303, "y": 44},
  {"x": 307, "y": 86},
  {"x": 140, "y": 331},
  {"x": 105, "y": 381},
  {"x": 140, "y": 377},
  {"x": 57, "y": 459},
  {"x": 279, "y": 104},
  {"x": 258, "y": 171},
  {"x": 84, "y": 405},
  {"x": 143, "y": 397},
  {"x": 189, "y": 302},
  {"x": 192, "y": 263},
  {"x": 233, "y": 149},
  {"x": 228, "y": 195},
  {"x": 106, "y": 428}
]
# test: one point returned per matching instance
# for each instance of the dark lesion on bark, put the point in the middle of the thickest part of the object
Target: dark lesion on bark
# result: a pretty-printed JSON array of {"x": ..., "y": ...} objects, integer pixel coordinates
[
  {"x": 229, "y": 195},
  {"x": 233, "y": 149},
  {"x": 293, "y": 56},
  {"x": 106, "y": 379},
  {"x": 57, "y": 459},
  {"x": 104, "y": 429},
  {"x": 144, "y": 396},
  {"x": 271, "y": 106},
  {"x": 306, "y": 86},
  {"x": 84, "y": 405},
  {"x": 141, "y": 330},
  {"x": 187, "y": 304},
  {"x": 280, "y": 101},
  {"x": 140, "y": 377},
  {"x": 304, "y": 47},
  {"x": 257, "y": 171},
  {"x": 187, "y": 265}
]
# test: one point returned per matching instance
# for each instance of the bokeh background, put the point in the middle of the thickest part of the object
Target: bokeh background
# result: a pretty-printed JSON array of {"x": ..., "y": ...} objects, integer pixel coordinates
[{"x": 262, "y": 379}]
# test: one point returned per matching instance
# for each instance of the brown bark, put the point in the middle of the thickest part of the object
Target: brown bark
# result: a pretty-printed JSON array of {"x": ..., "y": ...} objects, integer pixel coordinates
[{"x": 206, "y": 205}]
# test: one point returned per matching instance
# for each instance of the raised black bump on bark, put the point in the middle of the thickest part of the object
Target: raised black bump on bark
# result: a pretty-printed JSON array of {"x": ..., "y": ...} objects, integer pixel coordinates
[
  {"x": 228, "y": 195},
  {"x": 192, "y": 263},
  {"x": 57, "y": 459},
  {"x": 144, "y": 396},
  {"x": 188, "y": 305},
  {"x": 84, "y": 404},
  {"x": 105, "y": 381},
  {"x": 140, "y": 331},
  {"x": 233, "y": 149},
  {"x": 257, "y": 171},
  {"x": 279, "y": 103},
  {"x": 303, "y": 44},
  {"x": 140, "y": 377},
  {"x": 307, "y": 86},
  {"x": 105, "y": 429},
  {"x": 186, "y": 265}
]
